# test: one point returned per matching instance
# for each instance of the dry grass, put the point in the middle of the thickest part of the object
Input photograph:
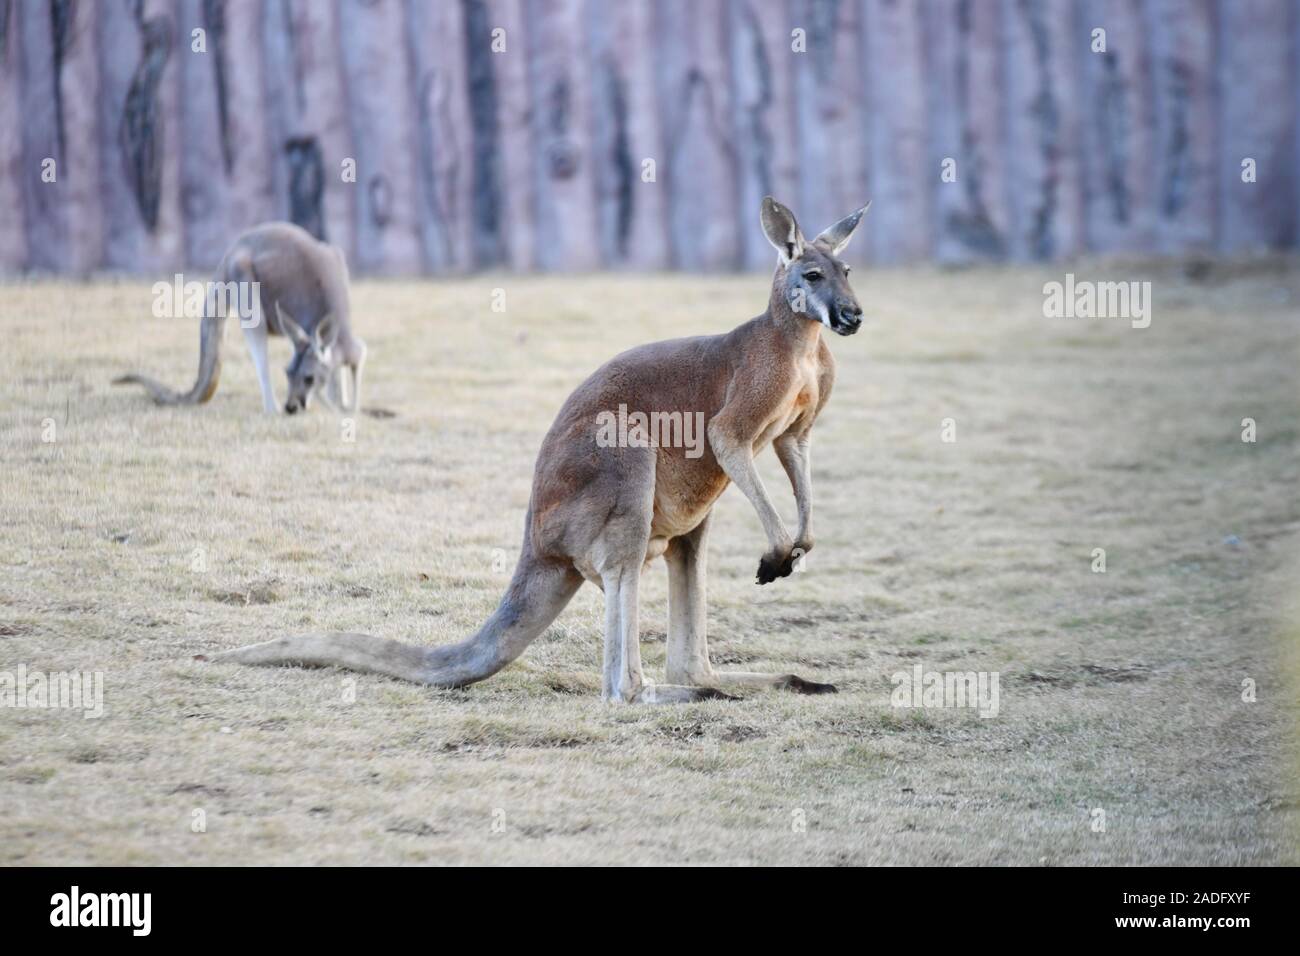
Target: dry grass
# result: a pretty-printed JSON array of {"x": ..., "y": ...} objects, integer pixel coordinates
[{"x": 1119, "y": 690}]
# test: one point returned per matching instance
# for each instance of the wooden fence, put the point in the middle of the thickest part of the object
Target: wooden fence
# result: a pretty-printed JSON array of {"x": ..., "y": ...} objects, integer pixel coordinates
[{"x": 452, "y": 135}]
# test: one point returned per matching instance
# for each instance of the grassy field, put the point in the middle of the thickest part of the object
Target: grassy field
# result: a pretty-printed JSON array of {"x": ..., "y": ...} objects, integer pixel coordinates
[{"x": 140, "y": 537}]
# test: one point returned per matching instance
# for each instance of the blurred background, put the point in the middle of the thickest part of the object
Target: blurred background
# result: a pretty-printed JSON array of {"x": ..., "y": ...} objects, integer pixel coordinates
[{"x": 436, "y": 136}]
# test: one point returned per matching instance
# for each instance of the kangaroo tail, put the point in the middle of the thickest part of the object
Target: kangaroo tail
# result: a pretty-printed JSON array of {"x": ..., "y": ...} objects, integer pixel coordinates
[
  {"x": 209, "y": 370},
  {"x": 538, "y": 592},
  {"x": 211, "y": 331}
]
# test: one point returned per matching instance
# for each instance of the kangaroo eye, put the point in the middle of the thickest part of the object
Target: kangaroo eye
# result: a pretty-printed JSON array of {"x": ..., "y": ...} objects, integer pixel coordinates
[
  {"x": 813, "y": 275},
  {"x": 309, "y": 380}
]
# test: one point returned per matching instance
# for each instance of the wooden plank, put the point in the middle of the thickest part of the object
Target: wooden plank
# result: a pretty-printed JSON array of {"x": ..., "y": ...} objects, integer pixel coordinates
[
  {"x": 830, "y": 135},
  {"x": 1120, "y": 146},
  {"x": 1043, "y": 132},
  {"x": 322, "y": 113},
  {"x": 79, "y": 186},
  {"x": 283, "y": 104},
  {"x": 139, "y": 138},
  {"x": 13, "y": 225},
  {"x": 387, "y": 223},
  {"x": 631, "y": 211},
  {"x": 700, "y": 165},
  {"x": 564, "y": 179},
  {"x": 900, "y": 182},
  {"x": 444, "y": 150},
  {"x": 1257, "y": 77},
  {"x": 486, "y": 198},
  {"x": 1182, "y": 34},
  {"x": 42, "y": 208},
  {"x": 204, "y": 182},
  {"x": 966, "y": 106},
  {"x": 632, "y": 49},
  {"x": 118, "y": 39},
  {"x": 168, "y": 238},
  {"x": 251, "y": 193},
  {"x": 516, "y": 145},
  {"x": 763, "y": 97}
]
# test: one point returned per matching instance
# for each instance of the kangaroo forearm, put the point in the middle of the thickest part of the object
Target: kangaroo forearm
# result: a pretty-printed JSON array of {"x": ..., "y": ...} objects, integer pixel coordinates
[
  {"x": 739, "y": 467},
  {"x": 795, "y": 459}
]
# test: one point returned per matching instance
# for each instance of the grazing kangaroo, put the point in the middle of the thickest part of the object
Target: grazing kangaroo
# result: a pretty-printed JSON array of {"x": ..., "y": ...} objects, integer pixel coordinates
[
  {"x": 304, "y": 295},
  {"x": 604, "y": 512}
]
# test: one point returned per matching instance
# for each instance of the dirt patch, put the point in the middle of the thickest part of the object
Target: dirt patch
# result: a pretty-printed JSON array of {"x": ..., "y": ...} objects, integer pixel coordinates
[
  {"x": 738, "y": 733},
  {"x": 200, "y": 790},
  {"x": 247, "y": 596},
  {"x": 572, "y": 683},
  {"x": 687, "y": 730},
  {"x": 416, "y": 828},
  {"x": 1086, "y": 674}
]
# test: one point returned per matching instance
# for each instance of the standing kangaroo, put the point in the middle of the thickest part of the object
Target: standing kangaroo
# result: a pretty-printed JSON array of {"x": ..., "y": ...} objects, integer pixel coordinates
[
  {"x": 304, "y": 295},
  {"x": 603, "y": 513}
]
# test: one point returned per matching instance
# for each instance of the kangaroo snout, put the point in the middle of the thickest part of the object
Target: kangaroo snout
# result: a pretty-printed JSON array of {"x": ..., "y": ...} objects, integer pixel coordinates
[{"x": 848, "y": 318}]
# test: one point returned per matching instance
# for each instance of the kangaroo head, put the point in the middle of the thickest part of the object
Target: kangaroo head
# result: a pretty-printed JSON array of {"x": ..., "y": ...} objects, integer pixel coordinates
[
  {"x": 312, "y": 365},
  {"x": 810, "y": 276}
]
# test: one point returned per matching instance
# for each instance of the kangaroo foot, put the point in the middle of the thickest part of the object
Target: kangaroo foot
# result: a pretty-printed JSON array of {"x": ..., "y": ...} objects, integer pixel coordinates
[
  {"x": 790, "y": 682},
  {"x": 679, "y": 694},
  {"x": 800, "y": 685}
]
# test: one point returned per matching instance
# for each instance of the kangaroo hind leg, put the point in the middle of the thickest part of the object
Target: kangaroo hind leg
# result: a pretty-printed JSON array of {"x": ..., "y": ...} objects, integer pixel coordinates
[
  {"x": 623, "y": 681},
  {"x": 688, "y": 645},
  {"x": 356, "y": 363}
]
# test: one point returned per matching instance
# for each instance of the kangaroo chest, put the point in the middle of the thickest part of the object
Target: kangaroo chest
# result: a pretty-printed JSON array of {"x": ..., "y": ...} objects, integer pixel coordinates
[{"x": 796, "y": 402}]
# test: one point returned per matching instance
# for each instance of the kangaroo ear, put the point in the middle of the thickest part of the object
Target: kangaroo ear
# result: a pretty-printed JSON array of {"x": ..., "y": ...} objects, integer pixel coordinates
[
  {"x": 327, "y": 330},
  {"x": 837, "y": 237},
  {"x": 782, "y": 230},
  {"x": 291, "y": 328}
]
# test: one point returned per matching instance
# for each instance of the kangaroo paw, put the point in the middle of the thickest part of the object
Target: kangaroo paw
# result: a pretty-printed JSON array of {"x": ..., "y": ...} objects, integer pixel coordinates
[{"x": 770, "y": 568}]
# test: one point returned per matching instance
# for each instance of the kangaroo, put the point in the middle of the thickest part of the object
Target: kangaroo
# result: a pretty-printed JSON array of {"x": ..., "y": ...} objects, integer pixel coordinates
[
  {"x": 601, "y": 513},
  {"x": 304, "y": 294}
]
